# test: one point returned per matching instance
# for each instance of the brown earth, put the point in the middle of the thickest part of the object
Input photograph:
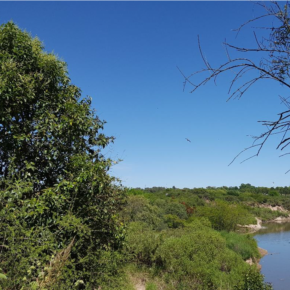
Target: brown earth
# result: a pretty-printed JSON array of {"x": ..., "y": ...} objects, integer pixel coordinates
[{"x": 251, "y": 261}]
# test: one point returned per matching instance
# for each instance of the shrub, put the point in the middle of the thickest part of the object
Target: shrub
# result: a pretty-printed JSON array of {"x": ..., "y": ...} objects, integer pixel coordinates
[
  {"x": 139, "y": 209},
  {"x": 244, "y": 245},
  {"x": 173, "y": 221},
  {"x": 176, "y": 209},
  {"x": 198, "y": 259},
  {"x": 224, "y": 216},
  {"x": 142, "y": 243},
  {"x": 253, "y": 280},
  {"x": 57, "y": 201}
]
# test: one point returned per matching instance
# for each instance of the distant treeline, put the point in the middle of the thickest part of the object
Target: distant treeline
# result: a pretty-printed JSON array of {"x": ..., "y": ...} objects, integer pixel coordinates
[
  {"x": 242, "y": 188},
  {"x": 245, "y": 193}
]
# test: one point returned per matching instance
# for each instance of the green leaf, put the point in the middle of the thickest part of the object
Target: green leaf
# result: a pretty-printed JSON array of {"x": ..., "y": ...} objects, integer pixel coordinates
[{"x": 2, "y": 276}]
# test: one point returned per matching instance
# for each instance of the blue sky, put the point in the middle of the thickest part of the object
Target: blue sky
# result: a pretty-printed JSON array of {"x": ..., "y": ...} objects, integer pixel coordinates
[{"x": 124, "y": 55}]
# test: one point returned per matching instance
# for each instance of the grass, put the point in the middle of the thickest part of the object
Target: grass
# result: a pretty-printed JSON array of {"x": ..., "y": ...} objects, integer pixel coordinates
[
  {"x": 244, "y": 245},
  {"x": 266, "y": 214}
]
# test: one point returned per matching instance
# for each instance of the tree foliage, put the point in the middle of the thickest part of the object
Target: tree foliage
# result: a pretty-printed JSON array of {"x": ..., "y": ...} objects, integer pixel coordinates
[
  {"x": 58, "y": 205},
  {"x": 224, "y": 216},
  {"x": 43, "y": 120}
]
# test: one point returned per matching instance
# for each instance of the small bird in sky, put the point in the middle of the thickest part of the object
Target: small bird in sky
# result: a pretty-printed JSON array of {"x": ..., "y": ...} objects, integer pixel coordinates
[{"x": 188, "y": 140}]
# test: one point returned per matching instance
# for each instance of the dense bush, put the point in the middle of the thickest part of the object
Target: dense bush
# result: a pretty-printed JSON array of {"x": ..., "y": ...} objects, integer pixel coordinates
[
  {"x": 195, "y": 257},
  {"x": 138, "y": 209},
  {"x": 58, "y": 206},
  {"x": 225, "y": 216},
  {"x": 142, "y": 243},
  {"x": 245, "y": 245},
  {"x": 173, "y": 221},
  {"x": 253, "y": 280},
  {"x": 176, "y": 209}
]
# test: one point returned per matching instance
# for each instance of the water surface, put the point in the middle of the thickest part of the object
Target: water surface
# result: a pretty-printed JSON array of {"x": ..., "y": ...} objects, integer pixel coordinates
[{"x": 275, "y": 238}]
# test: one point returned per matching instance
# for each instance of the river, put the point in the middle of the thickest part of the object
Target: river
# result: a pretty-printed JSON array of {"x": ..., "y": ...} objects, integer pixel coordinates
[{"x": 275, "y": 238}]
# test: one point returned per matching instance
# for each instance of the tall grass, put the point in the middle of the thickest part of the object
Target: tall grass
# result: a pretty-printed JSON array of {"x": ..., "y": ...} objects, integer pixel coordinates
[{"x": 244, "y": 245}]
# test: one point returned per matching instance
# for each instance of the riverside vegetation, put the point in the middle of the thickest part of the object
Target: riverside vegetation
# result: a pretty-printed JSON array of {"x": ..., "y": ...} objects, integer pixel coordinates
[
  {"x": 191, "y": 239},
  {"x": 59, "y": 226},
  {"x": 65, "y": 223}
]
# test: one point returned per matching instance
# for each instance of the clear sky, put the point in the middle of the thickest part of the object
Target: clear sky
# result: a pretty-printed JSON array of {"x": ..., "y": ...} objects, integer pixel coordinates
[{"x": 124, "y": 55}]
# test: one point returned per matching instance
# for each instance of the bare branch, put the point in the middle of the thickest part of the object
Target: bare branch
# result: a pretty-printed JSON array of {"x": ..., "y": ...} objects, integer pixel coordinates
[
  {"x": 274, "y": 64},
  {"x": 246, "y": 149}
]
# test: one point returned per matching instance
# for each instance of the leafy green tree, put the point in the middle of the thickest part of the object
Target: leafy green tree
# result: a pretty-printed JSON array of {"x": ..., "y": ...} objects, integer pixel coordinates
[
  {"x": 138, "y": 209},
  {"x": 173, "y": 221},
  {"x": 44, "y": 122},
  {"x": 176, "y": 209},
  {"x": 273, "y": 193},
  {"x": 58, "y": 205}
]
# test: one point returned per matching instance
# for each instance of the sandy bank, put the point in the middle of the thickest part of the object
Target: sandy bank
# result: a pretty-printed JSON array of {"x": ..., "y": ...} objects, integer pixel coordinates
[
  {"x": 253, "y": 227},
  {"x": 251, "y": 261},
  {"x": 273, "y": 208},
  {"x": 280, "y": 220}
]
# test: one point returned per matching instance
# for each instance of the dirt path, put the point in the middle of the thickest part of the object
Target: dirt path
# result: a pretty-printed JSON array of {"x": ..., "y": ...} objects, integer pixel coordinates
[
  {"x": 140, "y": 285},
  {"x": 138, "y": 280}
]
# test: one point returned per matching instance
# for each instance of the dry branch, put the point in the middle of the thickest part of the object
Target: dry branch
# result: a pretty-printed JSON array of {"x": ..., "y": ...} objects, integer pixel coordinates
[{"x": 276, "y": 67}]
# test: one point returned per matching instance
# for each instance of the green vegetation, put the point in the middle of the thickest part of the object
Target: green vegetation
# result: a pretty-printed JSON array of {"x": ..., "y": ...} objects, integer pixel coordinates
[
  {"x": 225, "y": 216},
  {"x": 189, "y": 237},
  {"x": 58, "y": 206},
  {"x": 244, "y": 245},
  {"x": 67, "y": 224}
]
